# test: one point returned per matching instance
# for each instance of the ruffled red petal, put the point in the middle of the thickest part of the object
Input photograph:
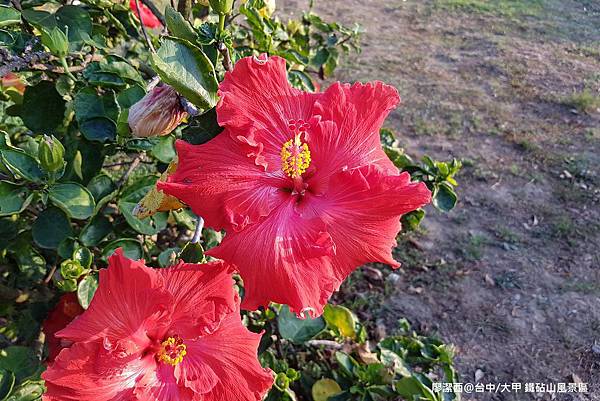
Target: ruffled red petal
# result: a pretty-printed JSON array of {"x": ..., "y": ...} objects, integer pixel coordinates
[
  {"x": 202, "y": 296},
  {"x": 129, "y": 304},
  {"x": 283, "y": 259},
  {"x": 362, "y": 209},
  {"x": 88, "y": 372},
  {"x": 256, "y": 95},
  {"x": 225, "y": 364},
  {"x": 224, "y": 182}
]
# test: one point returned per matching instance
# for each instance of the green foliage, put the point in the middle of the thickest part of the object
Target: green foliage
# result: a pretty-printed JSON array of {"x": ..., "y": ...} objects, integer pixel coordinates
[{"x": 437, "y": 175}]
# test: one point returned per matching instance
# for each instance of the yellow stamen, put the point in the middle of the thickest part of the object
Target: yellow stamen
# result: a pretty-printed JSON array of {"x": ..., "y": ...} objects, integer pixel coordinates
[
  {"x": 172, "y": 351},
  {"x": 295, "y": 157}
]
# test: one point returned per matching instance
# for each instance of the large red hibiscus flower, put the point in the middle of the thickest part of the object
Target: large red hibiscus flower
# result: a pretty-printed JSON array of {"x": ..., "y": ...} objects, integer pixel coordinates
[
  {"x": 159, "y": 334},
  {"x": 299, "y": 181}
]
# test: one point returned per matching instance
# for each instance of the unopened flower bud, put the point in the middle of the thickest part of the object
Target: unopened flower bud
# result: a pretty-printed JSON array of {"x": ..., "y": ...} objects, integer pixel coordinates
[
  {"x": 158, "y": 113},
  {"x": 51, "y": 153},
  {"x": 221, "y": 6}
]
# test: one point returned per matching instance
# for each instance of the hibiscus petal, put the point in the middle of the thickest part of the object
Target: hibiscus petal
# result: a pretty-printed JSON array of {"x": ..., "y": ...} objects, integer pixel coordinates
[
  {"x": 89, "y": 372},
  {"x": 358, "y": 112},
  {"x": 202, "y": 296},
  {"x": 362, "y": 209},
  {"x": 283, "y": 259},
  {"x": 257, "y": 95},
  {"x": 129, "y": 302},
  {"x": 160, "y": 384},
  {"x": 224, "y": 182},
  {"x": 223, "y": 365}
]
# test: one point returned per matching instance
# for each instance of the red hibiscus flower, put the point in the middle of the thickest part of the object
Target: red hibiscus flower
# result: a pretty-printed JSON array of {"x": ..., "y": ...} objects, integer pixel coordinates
[
  {"x": 299, "y": 181},
  {"x": 159, "y": 334},
  {"x": 64, "y": 312},
  {"x": 147, "y": 18}
]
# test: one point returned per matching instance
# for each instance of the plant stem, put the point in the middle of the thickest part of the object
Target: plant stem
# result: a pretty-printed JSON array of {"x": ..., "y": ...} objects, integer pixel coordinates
[
  {"x": 63, "y": 62},
  {"x": 221, "y": 47},
  {"x": 139, "y": 12},
  {"x": 221, "y": 23}
]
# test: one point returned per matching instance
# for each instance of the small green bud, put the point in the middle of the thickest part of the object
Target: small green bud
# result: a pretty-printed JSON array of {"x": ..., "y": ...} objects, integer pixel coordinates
[
  {"x": 221, "y": 6},
  {"x": 282, "y": 382},
  {"x": 71, "y": 269},
  {"x": 69, "y": 285},
  {"x": 56, "y": 40},
  {"x": 51, "y": 153}
]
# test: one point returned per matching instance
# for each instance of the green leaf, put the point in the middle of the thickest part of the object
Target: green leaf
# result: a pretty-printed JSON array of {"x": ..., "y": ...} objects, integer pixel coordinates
[
  {"x": 7, "y": 381},
  {"x": 192, "y": 252},
  {"x": 346, "y": 362},
  {"x": 30, "y": 390},
  {"x": 13, "y": 198},
  {"x": 164, "y": 150},
  {"x": 325, "y": 388},
  {"x": 395, "y": 362},
  {"x": 79, "y": 24},
  {"x": 98, "y": 228},
  {"x": 409, "y": 388},
  {"x": 22, "y": 164},
  {"x": 131, "y": 248},
  {"x": 55, "y": 40},
  {"x": 50, "y": 228},
  {"x": 340, "y": 318},
  {"x": 96, "y": 115},
  {"x": 41, "y": 19},
  {"x": 74, "y": 199},
  {"x": 131, "y": 196},
  {"x": 445, "y": 198},
  {"x": 301, "y": 80},
  {"x": 179, "y": 26},
  {"x": 9, "y": 16},
  {"x": 99, "y": 129},
  {"x": 298, "y": 330},
  {"x": 84, "y": 256},
  {"x": 168, "y": 257},
  {"x": 187, "y": 69},
  {"x": 101, "y": 187},
  {"x": 86, "y": 290},
  {"x": 202, "y": 128},
  {"x": 19, "y": 360},
  {"x": 410, "y": 221},
  {"x": 43, "y": 108}
]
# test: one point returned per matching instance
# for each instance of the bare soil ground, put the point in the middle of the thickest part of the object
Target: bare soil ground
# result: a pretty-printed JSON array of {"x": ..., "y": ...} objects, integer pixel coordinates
[{"x": 511, "y": 277}]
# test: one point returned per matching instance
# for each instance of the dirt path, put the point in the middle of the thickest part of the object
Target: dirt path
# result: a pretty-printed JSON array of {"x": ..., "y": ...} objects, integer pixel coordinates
[{"x": 511, "y": 276}]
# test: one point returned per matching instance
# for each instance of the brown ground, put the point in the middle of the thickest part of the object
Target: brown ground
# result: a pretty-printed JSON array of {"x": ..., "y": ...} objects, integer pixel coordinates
[{"x": 511, "y": 276}]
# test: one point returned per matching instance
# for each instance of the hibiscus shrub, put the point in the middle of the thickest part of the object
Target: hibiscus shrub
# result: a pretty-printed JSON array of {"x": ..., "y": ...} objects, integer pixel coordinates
[{"x": 197, "y": 138}]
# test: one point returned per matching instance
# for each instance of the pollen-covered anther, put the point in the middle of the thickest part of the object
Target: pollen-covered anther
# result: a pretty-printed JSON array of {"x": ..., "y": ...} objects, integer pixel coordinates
[
  {"x": 295, "y": 157},
  {"x": 171, "y": 351}
]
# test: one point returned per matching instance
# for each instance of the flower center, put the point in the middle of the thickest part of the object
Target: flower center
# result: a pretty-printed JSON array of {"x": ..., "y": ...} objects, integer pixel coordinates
[
  {"x": 171, "y": 351},
  {"x": 295, "y": 155}
]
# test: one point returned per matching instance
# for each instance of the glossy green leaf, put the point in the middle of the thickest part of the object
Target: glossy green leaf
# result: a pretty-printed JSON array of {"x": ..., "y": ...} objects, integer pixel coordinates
[
  {"x": 325, "y": 388},
  {"x": 340, "y": 318},
  {"x": 50, "y": 228},
  {"x": 43, "y": 108},
  {"x": 178, "y": 26},
  {"x": 131, "y": 249},
  {"x": 98, "y": 228},
  {"x": 187, "y": 69},
  {"x": 9, "y": 16},
  {"x": 22, "y": 164},
  {"x": 298, "y": 330},
  {"x": 74, "y": 199},
  {"x": 13, "y": 198},
  {"x": 19, "y": 360},
  {"x": 7, "y": 381},
  {"x": 445, "y": 198},
  {"x": 86, "y": 290}
]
